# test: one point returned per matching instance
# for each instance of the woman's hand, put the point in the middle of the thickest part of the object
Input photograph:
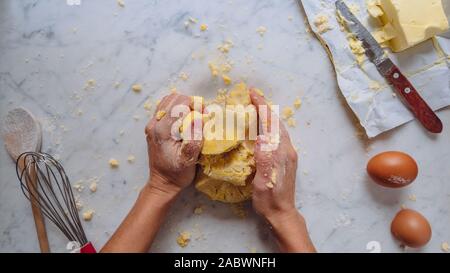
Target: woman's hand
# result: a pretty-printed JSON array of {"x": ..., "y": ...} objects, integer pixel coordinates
[
  {"x": 172, "y": 168},
  {"x": 274, "y": 184},
  {"x": 172, "y": 161}
]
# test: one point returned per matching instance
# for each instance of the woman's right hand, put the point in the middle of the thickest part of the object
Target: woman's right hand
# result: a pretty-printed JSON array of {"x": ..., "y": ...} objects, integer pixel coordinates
[{"x": 274, "y": 185}]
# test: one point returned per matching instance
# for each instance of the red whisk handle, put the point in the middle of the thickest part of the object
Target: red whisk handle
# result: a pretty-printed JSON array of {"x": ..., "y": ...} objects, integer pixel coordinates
[{"x": 88, "y": 248}]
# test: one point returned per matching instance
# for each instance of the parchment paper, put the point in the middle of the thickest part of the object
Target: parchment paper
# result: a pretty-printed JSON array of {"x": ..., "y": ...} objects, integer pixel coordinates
[{"x": 378, "y": 109}]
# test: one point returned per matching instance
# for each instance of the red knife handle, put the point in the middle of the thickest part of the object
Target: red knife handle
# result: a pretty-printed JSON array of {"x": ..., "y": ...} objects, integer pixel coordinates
[
  {"x": 88, "y": 248},
  {"x": 416, "y": 104}
]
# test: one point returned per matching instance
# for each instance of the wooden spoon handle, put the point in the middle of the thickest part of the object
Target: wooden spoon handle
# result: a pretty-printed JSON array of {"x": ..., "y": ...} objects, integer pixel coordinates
[{"x": 37, "y": 212}]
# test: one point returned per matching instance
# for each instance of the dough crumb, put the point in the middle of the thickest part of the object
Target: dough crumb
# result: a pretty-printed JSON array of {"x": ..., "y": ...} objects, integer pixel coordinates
[
  {"x": 93, "y": 187},
  {"x": 160, "y": 115},
  {"x": 273, "y": 177},
  {"x": 131, "y": 159},
  {"x": 412, "y": 197},
  {"x": 87, "y": 215},
  {"x": 148, "y": 105},
  {"x": 287, "y": 112},
  {"x": 121, "y": 3},
  {"x": 322, "y": 24},
  {"x": 136, "y": 117},
  {"x": 79, "y": 205},
  {"x": 261, "y": 30},
  {"x": 445, "y": 247},
  {"x": 291, "y": 122},
  {"x": 239, "y": 210},
  {"x": 184, "y": 76},
  {"x": 113, "y": 163},
  {"x": 90, "y": 83},
  {"x": 269, "y": 185},
  {"x": 116, "y": 85},
  {"x": 78, "y": 186},
  {"x": 203, "y": 27},
  {"x": 136, "y": 88},
  {"x": 297, "y": 103},
  {"x": 214, "y": 69},
  {"x": 198, "y": 210},
  {"x": 226, "y": 46},
  {"x": 184, "y": 238},
  {"x": 226, "y": 79}
]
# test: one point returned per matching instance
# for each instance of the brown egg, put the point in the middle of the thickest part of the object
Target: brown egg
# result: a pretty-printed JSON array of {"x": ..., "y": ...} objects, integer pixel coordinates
[
  {"x": 411, "y": 228},
  {"x": 392, "y": 169}
]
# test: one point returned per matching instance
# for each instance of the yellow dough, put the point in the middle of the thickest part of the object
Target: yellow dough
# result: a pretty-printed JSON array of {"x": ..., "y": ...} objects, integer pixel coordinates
[
  {"x": 233, "y": 167},
  {"x": 223, "y": 191},
  {"x": 227, "y": 166}
]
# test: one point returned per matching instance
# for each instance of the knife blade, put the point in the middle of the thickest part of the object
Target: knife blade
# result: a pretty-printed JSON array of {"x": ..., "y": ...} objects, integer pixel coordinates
[{"x": 409, "y": 95}]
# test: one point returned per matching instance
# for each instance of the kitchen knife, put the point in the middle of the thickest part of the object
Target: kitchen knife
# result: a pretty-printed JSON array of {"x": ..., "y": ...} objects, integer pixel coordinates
[{"x": 390, "y": 71}]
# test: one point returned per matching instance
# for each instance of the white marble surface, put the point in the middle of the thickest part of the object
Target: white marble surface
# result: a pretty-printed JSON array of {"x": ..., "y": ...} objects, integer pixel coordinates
[{"x": 49, "y": 50}]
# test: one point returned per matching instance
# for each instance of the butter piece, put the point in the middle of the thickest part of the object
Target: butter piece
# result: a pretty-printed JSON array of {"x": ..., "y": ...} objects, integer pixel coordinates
[
  {"x": 414, "y": 21},
  {"x": 322, "y": 24},
  {"x": 374, "y": 9},
  {"x": 384, "y": 34},
  {"x": 356, "y": 46}
]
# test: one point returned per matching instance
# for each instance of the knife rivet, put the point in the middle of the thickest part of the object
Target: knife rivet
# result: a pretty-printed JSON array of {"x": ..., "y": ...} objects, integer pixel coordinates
[
  {"x": 407, "y": 90},
  {"x": 396, "y": 75}
]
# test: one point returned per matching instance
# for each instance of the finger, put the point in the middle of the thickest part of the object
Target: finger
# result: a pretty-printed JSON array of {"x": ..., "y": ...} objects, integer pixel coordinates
[
  {"x": 261, "y": 105},
  {"x": 163, "y": 127},
  {"x": 264, "y": 164},
  {"x": 189, "y": 153},
  {"x": 266, "y": 120},
  {"x": 152, "y": 122}
]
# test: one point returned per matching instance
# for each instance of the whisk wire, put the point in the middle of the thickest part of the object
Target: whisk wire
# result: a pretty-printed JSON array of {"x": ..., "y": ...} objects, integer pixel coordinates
[{"x": 52, "y": 192}]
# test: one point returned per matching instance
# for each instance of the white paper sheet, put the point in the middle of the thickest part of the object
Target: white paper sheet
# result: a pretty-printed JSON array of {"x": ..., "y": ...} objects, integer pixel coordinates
[{"x": 426, "y": 66}]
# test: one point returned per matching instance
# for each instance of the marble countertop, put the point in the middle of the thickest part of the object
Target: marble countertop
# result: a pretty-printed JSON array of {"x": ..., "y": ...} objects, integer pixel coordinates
[{"x": 49, "y": 50}]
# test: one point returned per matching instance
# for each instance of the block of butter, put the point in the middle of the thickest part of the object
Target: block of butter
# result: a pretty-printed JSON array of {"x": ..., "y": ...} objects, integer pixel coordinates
[{"x": 408, "y": 22}]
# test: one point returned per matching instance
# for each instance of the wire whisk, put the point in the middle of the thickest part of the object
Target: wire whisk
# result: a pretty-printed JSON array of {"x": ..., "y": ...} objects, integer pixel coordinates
[{"x": 44, "y": 181}]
